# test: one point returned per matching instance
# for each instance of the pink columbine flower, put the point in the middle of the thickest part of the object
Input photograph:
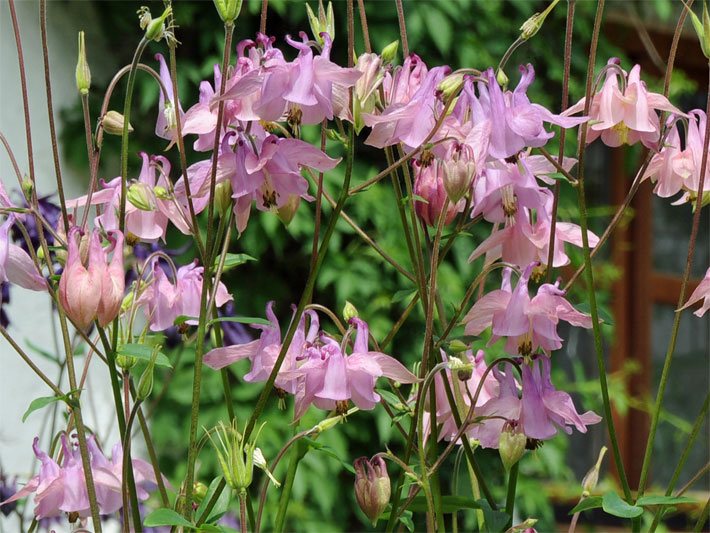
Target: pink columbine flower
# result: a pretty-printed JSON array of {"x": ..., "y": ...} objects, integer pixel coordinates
[
  {"x": 264, "y": 351},
  {"x": 80, "y": 286},
  {"x": 164, "y": 300},
  {"x": 444, "y": 414},
  {"x": 333, "y": 379},
  {"x": 166, "y": 125},
  {"x": 537, "y": 411},
  {"x": 521, "y": 241},
  {"x": 268, "y": 171},
  {"x": 429, "y": 185},
  {"x": 409, "y": 118},
  {"x": 16, "y": 266},
  {"x": 702, "y": 292},
  {"x": 149, "y": 203},
  {"x": 527, "y": 323},
  {"x": 628, "y": 117},
  {"x": 515, "y": 122},
  {"x": 675, "y": 170},
  {"x": 113, "y": 283},
  {"x": 63, "y": 489}
]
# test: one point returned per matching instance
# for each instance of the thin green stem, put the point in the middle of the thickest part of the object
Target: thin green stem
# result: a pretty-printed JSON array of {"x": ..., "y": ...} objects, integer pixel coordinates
[
  {"x": 124, "y": 135},
  {"x": 204, "y": 311},
  {"x": 129, "y": 492},
  {"x": 296, "y": 456},
  {"x": 510, "y": 498},
  {"x": 697, "y": 426}
]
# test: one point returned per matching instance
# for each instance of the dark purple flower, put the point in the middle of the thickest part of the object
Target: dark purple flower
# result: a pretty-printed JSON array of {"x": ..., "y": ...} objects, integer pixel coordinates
[{"x": 7, "y": 490}]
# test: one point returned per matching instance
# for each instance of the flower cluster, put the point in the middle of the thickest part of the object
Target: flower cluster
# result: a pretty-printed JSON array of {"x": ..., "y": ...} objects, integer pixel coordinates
[
  {"x": 317, "y": 369},
  {"x": 62, "y": 489}
]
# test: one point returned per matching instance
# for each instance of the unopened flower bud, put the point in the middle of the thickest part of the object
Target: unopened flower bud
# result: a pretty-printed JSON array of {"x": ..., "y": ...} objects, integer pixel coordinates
[
  {"x": 228, "y": 10},
  {"x": 524, "y": 527},
  {"x": 389, "y": 52},
  {"x": 140, "y": 196},
  {"x": 199, "y": 491},
  {"x": 349, "y": 311},
  {"x": 531, "y": 26},
  {"x": 372, "y": 486},
  {"x": 112, "y": 123},
  {"x": 511, "y": 445},
  {"x": 451, "y": 85},
  {"x": 235, "y": 456},
  {"x": 223, "y": 196},
  {"x": 125, "y": 362},
  {"x": 83, "y": 74},
  {"x": 27, "y": 188},
  {"x": 154, "y": 28},
  {"x": 458, "y": 176},
  {"x": 287, "y": 211},
  {"x": 145, "y": 384},
  {"x": 79, "y": 285},
  {"x": 589, "y": 483},
  {"x": 429, "y": 186}
]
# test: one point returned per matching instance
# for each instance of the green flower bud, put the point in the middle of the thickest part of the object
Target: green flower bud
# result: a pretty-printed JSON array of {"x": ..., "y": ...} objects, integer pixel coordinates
[
  {"x": 349, "y": 311},
  {"x": 457, "y": 346},
  {"x": 389, "y": 52},
  {"x": 228, "y": 10},
  {"x": 27, "y": 188},
  {"x": 83, "y": 74},
  {"x": 112, "y": 123},
  {"x": 199, "y": 491},
  {"x": 502, "y": 79},
  {"x": 451, "y": 85},
  {"x": 125, "y": 362},
  {"x": 161, "y": 193},
  {"x": 589, "y": 483},
  {"x": 531, "y": 26},
  {"x": 145, "y": 384},
  {"x": 511, "y": 446},
  {"x": 372, "y": 486},
  {"x": 154, "y": 28}
]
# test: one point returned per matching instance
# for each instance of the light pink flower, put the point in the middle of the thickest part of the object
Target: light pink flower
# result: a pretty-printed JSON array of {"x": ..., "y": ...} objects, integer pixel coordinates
[
  {"x": 333, "y": 379},
  {"x": 516, "y": 123},
  {"x": 429, "y": 185},
  {"x": 80, "y": 286},
  {"x": 114, "y": 281},
  {"x": 166, "y": 124},
  {"x": 163, "y": 301},
  {"x": 16, "y": 266},
  {"x": 410, "y": 117},
  {"x": 63, "y": 489},
  {"x": 527, "y": 323},
  {"x": 628, "y": 117},
  {"x": 702, "y": 292}
]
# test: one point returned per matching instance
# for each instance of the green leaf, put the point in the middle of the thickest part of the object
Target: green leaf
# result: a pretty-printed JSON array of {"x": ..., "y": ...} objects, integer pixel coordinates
[
  {"x": 317, "y": 446},
  {"x": 220, "y": 506},
  {"x": 166, "y": 517},
  {"x": 241, "y": 320},
  {"x": 403, "y": 295},
  {"x": 663, "y": 500},
  {"x": 615, "y": 506},
  {"x": 39, "y": 403},
  {"x": 440, "y": 29},
  {"x": 391, "y": 399},
  {"x": 449, "y": 504},
  {"x": 41, "y": 351},
  {"x": 496, "y": 521},
  {"x": 143, "y": 352},
  {"x": 233, "y": 260},
  {"x": 588, "y": 503}
]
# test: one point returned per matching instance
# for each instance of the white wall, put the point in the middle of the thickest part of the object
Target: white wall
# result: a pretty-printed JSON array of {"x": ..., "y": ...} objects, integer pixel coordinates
[{"x": 30, "y": 312}]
